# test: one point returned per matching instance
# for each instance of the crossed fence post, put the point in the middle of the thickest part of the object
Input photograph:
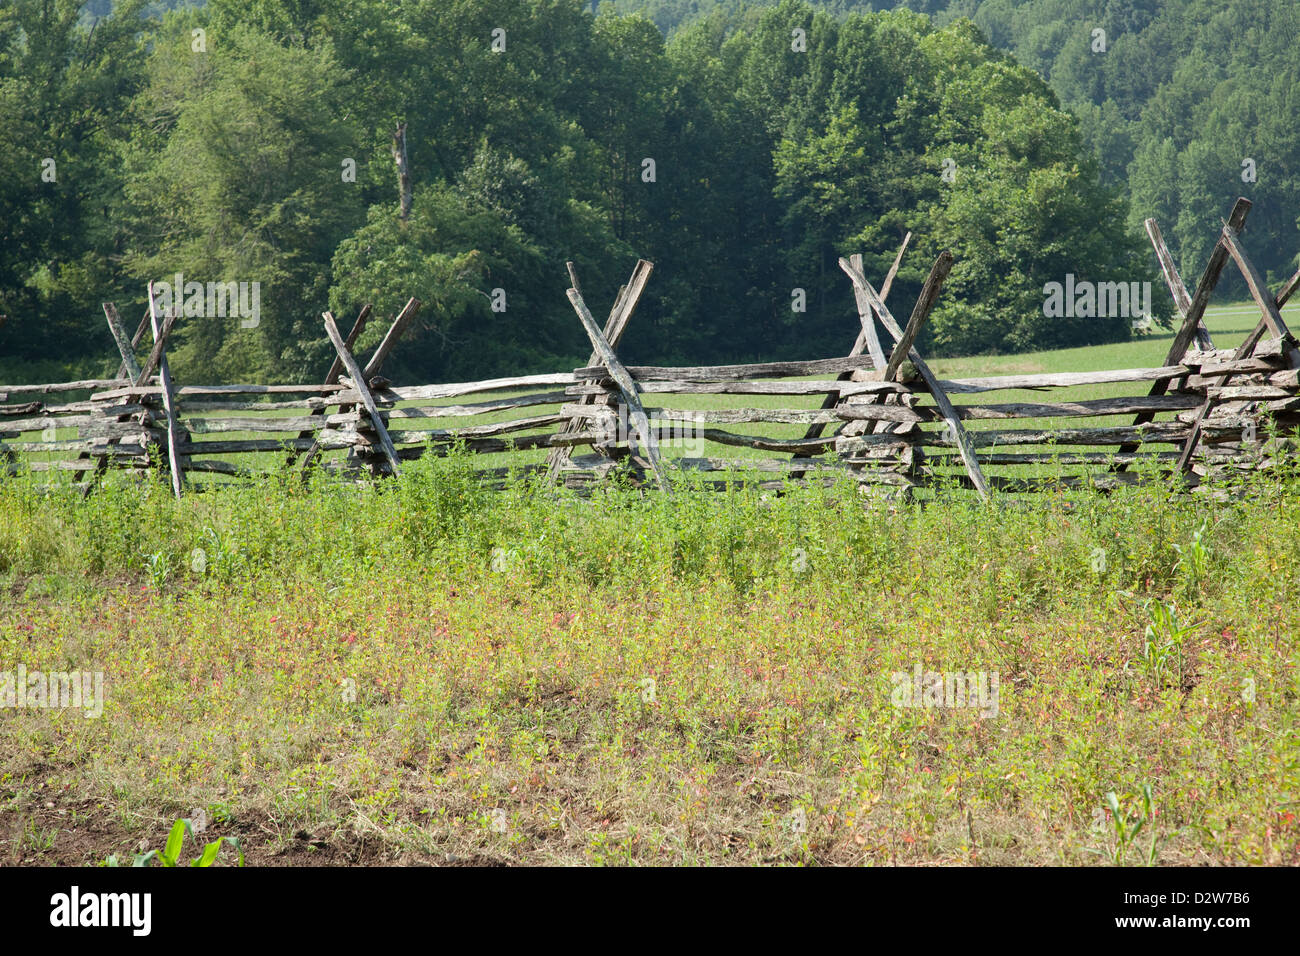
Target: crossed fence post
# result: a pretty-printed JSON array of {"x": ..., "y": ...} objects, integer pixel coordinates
[
  {"x": 603, "y": 354},
  {"x": 363, "y": 378},
  {"x": 139, "y": 376},
  {"x": 904, "y": 350},
  {"x": 1192, "y": 309}
]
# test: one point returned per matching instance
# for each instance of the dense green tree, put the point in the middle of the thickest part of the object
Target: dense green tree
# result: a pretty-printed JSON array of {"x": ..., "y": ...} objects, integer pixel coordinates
[
  {"x": 1162, "y": 71},
  {"x": 236, "y": 175},
  {"x": 743, "y": 155},
  {"x": 65, "y": 82}
]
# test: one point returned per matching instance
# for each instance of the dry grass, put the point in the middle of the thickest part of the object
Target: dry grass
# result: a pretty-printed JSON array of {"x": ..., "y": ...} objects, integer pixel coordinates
[{"x": 428, "y": 674}]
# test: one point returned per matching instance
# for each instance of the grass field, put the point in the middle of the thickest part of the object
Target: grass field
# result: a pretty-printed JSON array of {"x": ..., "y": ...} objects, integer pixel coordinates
[{"x": 427, "y": 672}]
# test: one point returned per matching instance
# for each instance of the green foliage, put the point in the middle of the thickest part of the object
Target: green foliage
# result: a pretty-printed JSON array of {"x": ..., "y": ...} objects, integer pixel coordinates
[
  {"x": 232, "y": 159},
  {"x": 1163, "y": 646},
  {"x": 663, "y": 662},
  {"x": 64, "y": 96},
  {"x": 1126, "y": 828},
  {"x": 237, "y": 178},
  {"x": 1178, "y": 99},
  {"x": 170, "y": 854}
]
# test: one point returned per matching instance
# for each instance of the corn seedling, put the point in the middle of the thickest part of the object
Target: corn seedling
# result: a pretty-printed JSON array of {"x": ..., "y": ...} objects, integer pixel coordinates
[
  {"x": 170, "y": 854},
  {"x": 1126, "y": 829}
]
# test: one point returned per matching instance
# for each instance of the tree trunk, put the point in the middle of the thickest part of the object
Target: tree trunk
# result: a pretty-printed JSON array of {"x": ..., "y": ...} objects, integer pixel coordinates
[{"x": 403, "y": 170}]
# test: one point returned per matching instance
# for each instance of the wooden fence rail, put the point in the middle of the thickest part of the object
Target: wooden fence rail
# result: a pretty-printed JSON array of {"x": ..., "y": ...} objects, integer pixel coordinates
[{"x": 878, "y": 414}]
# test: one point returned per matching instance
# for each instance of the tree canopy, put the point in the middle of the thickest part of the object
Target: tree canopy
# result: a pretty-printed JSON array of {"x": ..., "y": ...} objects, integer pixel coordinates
[{"x": 252, "y": 141}]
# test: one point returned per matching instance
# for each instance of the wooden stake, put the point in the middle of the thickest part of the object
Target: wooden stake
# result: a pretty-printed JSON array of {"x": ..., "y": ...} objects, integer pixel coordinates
[
  {"x": 1182, "y": 300},
  {"x": 394, "y": 333},
  {"x": 159, "y": 344},
  {"x": 168, "y": 396},
  {"x": 124, "y": 345},
  {"x": 128, "y": 368},
  {"x": 924, "y": 303},
  {"x": 360, "y": 382},
  {"x": 332, "y": 376},
  {"x": 868, "y": 323},
  {"x": 1270, "y": 319},
  {"x": 860, "y": 345},
  {"x": 619, "y": 316},
  {"x": 372, "y": 367},
  {"x": 140, "y": 330},
  {"x": 1271, "y": 313},
  {"x": 950, "y": 415},
  {"x": 626, "y": 385},
  {"x": 1191, "y": 317}
]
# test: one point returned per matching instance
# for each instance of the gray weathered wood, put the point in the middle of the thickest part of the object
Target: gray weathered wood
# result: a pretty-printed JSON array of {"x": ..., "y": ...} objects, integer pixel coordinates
[
  {"x": 335, "y": 438},
  {"x": 243, "y": 446},
  {"x": 757, "y": 464},
  {"x": 1288, "y": 290},
  {"x": 37, "y": 423},
  {"x": 26, "y": 408},
  {"x": 1061, "y": 379},
  {"x": 810, "y": 387},
  {"x": 865, "y": 335},
  {"x": 129, "y": 366},
  {"x": 199, "y": 408},
  {"x": 799, "y": 446},
  {"x": 478, "y": 408},
  {"x": 724, "y": 416},
  {"x": 394, "y": 333},
  {"x": 123, "y": 343},
  {"x": 359, "y": 326},
  {"x": 615, "y": 325},
  {"x": 158, "y": 356},
  {"x": 363, "y": 390},
  {"x": 468, "y": 431},
  {"x": 924, "y": 303},
  {"x": 1046, "y": 458},
  {"x": 1272, "y": 314},
  {"x": 157, "y": 353},
  {"x": 731, "y": 373},
  {"x": 184, "y": 391},
  {"x": 268, "y": 423},
  {"x": 407, "y": 393},
  {"x": 1195, "y": 312},
  {"x": 1152, "y": 432},
  {"x": 7, "y": 391},
  {"x": 931, "y": 381},
  {"x": 627, "y": 386},
  {"x": 140, "y": 329},
  {"x": 1182, "y": 301},
  {"x": 869, "y": 337},
  {"x": 332, "y": 376},
  {"x": 1270, "y": 319},
  {"x": 1079, "y": 409}
]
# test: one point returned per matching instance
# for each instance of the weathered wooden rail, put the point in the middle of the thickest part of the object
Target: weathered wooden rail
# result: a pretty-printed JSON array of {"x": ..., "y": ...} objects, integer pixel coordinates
[{"x": 879, "y": 413}]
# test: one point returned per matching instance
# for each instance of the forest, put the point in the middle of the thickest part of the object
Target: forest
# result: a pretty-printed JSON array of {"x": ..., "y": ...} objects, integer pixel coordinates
[{"x": 742, "y": 149}]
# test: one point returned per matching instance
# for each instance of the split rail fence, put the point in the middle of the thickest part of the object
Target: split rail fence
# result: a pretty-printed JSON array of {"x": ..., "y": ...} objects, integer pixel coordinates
[{"x": 878, "y": 413}]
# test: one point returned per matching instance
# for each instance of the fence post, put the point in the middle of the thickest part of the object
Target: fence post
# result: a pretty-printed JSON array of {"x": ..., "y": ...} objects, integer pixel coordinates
[{"x": 615, "y": 325}]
